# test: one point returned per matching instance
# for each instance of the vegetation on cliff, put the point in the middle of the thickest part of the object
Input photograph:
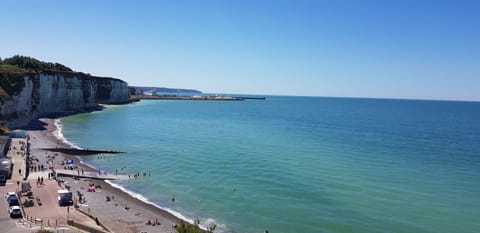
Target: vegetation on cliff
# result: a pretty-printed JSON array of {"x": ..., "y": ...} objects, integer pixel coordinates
[
  {"x": 33, "y": 64},
  {"x": 11, "y": 81},
  {"x": 184, "y": 227},
  {"x": 3, "y": 127}
]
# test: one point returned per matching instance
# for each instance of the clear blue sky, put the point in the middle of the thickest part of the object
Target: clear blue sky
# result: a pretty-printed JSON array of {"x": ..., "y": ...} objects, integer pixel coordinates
[{"x": 385, "y": 48}]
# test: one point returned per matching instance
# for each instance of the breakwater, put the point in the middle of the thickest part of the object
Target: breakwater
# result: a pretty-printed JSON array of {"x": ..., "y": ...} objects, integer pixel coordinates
[{"x": 73, "y": 151}]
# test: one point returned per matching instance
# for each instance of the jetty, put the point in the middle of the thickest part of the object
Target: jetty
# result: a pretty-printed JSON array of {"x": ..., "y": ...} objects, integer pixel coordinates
[
  {"x": 75, "y": 173},
  {"x": 251, "y": 98},
  {"x": 74, "y": 151}
]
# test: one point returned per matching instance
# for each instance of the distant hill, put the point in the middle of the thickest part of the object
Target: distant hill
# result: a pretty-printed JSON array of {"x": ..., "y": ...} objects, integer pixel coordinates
[{"x": 164, "y": 90}]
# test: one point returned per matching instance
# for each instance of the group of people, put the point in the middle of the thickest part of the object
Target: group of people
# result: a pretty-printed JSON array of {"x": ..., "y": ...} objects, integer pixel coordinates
[
  {"x": 91, "y": 187},
  {"x": 153, "y": 223},
  {"x": 138, "y": 174},
  {"x": 40, "y": 181},
  {"x": 38, "y": 167},
  {"x": 80, "y": 171}
]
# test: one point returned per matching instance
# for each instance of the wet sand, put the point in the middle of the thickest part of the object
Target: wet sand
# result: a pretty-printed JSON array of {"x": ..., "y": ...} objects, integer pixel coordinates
[{"x": 113, "y": 214}]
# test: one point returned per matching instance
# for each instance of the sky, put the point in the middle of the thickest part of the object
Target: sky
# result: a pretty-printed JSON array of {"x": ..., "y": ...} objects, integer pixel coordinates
[{"x": 413, "y": 49}]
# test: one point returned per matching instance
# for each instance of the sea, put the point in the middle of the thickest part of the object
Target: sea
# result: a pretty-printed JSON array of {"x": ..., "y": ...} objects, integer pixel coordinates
[{"x": 295, "y": 164}]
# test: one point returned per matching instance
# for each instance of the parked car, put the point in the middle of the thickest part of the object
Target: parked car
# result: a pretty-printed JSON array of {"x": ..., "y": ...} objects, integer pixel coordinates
[
  {"x": 3, "y": 179},
  {"x": 13, "y": 201},
  {"x": 15, "y": 212},
  {"x": 9, "y": 194}
]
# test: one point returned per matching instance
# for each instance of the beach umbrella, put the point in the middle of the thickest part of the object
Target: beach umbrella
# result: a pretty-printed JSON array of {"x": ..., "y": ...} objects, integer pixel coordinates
[{"x": 70, "y": 161}]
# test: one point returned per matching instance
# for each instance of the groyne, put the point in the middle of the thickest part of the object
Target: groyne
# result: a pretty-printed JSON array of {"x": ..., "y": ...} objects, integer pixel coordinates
[{"x": 73, "y": 151}]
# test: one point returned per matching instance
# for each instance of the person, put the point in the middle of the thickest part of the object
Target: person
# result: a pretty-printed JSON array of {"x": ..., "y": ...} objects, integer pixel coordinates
[
  {"x": 173, "y": 200},
  {"x": 20, "y": 171},
  {"x": 266, "y": 230},
  {"x": 41, "y": 180}
]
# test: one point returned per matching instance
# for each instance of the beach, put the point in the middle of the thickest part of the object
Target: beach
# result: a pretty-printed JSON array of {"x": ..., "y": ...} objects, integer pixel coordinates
[{"x": 122, "y": 212}]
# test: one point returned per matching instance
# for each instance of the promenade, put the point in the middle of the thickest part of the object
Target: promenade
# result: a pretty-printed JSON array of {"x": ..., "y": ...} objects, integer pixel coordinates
[
  {"x": 45, "y": 213},
  {"x": 17, "y": 152}
]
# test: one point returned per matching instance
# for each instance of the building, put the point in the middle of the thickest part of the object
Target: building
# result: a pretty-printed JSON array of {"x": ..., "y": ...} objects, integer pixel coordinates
[
  {"x": 4, "y": 146},
  {"x": 6, "y": 167},
  {"x": 5, "y": 162}
]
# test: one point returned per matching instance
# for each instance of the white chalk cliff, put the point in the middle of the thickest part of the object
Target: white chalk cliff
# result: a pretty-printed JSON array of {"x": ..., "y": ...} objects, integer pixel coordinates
[{"x": 59, "y": 92}]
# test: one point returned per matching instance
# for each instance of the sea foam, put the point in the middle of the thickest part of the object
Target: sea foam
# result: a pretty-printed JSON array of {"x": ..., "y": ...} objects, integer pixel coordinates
[
  {"x": 142, "y": 198},
  {"x": 59, "y": 135}
]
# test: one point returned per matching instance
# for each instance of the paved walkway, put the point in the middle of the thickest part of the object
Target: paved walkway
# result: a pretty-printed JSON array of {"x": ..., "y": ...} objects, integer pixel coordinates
[
  {"x": 17, "y": 154},
  {"x": 47, "y": 211}
]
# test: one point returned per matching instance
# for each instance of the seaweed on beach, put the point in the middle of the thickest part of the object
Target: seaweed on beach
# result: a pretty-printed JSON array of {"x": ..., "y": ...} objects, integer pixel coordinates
[{"x": 184, "y": 227}]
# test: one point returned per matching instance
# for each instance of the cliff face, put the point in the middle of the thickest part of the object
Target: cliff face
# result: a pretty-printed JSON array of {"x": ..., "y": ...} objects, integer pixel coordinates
[{"x": 44, "y": 93}]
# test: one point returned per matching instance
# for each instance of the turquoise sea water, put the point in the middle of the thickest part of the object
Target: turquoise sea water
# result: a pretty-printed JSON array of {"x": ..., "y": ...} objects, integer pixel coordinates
[{"x": 298, "y": 164}]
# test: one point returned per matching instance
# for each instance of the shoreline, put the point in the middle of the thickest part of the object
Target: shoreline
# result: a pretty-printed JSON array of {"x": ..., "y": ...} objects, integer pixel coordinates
[
  {"x": 50, "y": 134},
  {"x": 175, "y": 215}
]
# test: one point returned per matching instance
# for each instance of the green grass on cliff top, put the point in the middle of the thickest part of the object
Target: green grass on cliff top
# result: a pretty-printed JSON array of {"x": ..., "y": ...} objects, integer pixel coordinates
[
  {"x": 5, "y": 68},
  {"x": 10, "y": 79}
]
